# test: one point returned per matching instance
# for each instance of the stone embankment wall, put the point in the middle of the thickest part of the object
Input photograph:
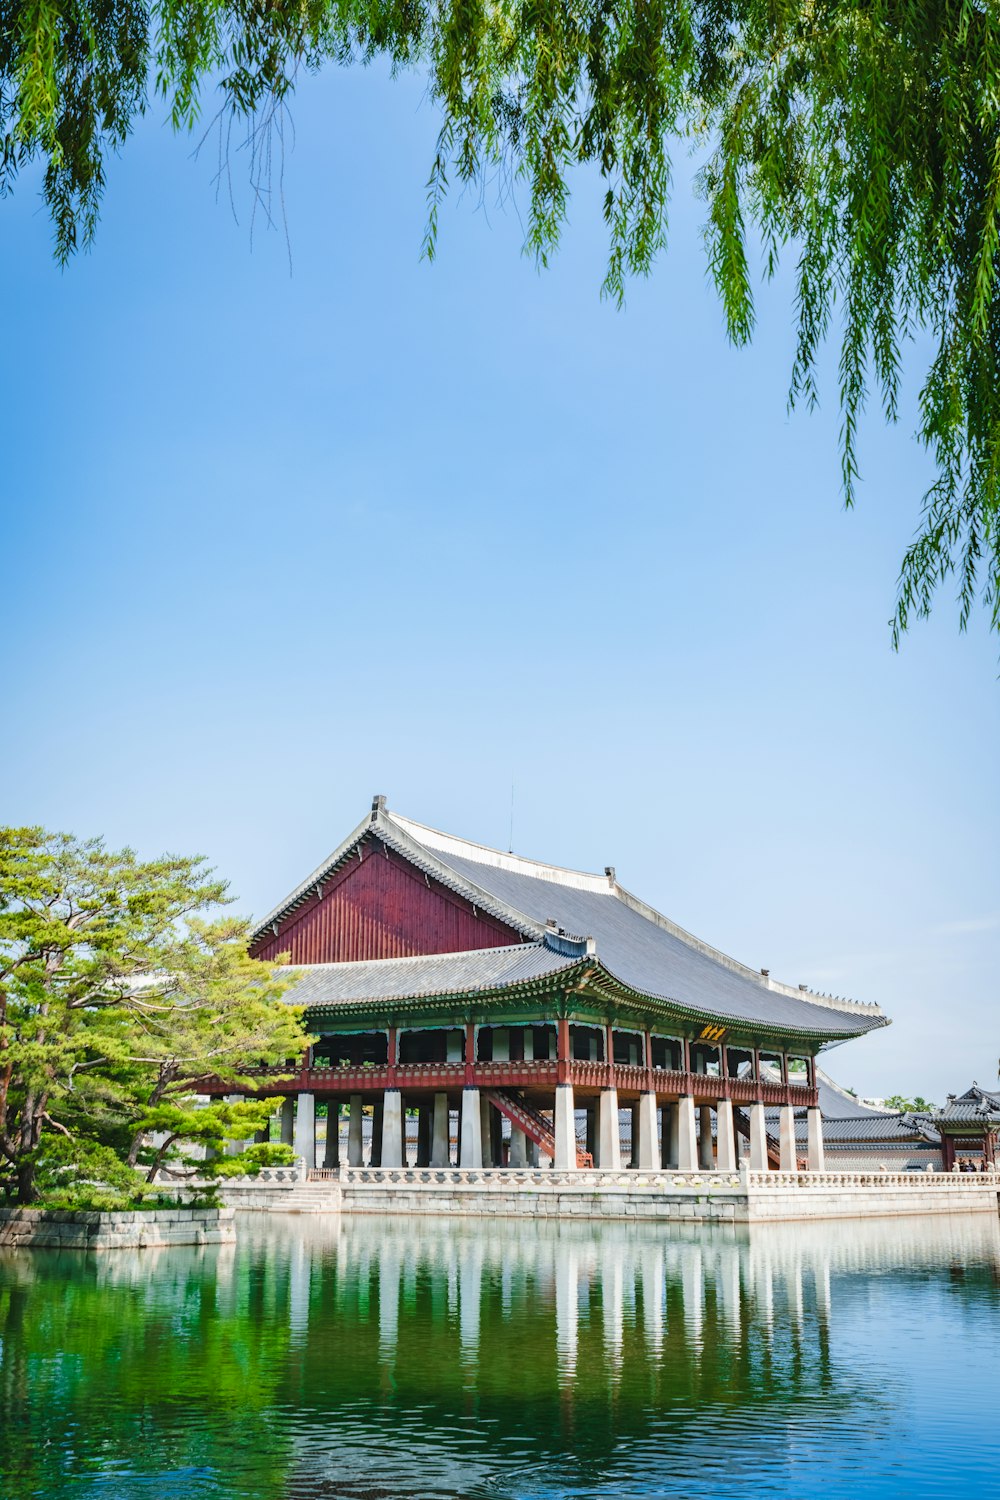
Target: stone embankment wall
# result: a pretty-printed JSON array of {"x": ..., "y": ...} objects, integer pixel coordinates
[
  {"x": 677, "y": 1197},
  {"x": 64, "y": 1229},
  {"x": 776, "y": 1196}
]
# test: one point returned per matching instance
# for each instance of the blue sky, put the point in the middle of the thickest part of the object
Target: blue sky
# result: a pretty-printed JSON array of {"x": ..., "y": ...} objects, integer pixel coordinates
[{"x": 278, "y": 541}]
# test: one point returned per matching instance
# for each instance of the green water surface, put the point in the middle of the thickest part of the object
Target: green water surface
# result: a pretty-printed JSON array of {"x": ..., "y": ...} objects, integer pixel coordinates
[{"x": 372, "y": 1358}]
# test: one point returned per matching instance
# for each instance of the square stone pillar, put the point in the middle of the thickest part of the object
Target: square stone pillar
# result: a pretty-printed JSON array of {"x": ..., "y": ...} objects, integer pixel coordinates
[
  {"x": 470, "y": 1153},
  {"x": 486, "y": 1130},
  {"x": 786, "y": 1140},
  {"x": 287, "y": 1122},
  {"x": 355, "y": 1138},
  {"x": 565, "y": 1129},
  {"x": 532, "y": 1150},
  {"x": 441, "y": 1140},
  {"x": 687, "y": 1138},
  {"x": 375, "y": 1150},
  {"x": 425, "y": 1121},
  {"x": 706, "y": 1152},
  {"x": 816, "y": 1156},
  {"x": 609, "y": 1141},
  {"x": 649, "y": 1144},
  {"x": 331, "y": 1155},
  {"x": 670, "y": 1124},
  {"x": 758, "y": 1139},
  {"x": 304, "y": 1144},
  {"x": 392, "y": 1129},
  {"x": 518, "y": 1148},
  {"x": 725, "y": 1136}
]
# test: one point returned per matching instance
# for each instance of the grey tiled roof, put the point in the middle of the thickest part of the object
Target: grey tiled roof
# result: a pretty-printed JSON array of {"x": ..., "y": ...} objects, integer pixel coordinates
[
  {"x": 888, "y": 1129},
  {"x": 652, "y": 958},
  {"x": 434, "y": 974},
  {"x": 837, "y": 1104},
  {"x": 634, "y": 944},
  {"x": 976, "y": 1106}
]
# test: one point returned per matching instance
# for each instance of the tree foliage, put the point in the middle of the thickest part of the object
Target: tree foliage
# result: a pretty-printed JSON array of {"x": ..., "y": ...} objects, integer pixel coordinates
[
  {"x": 115, "y": 997},
  {"x": 857, "y": 137},
  {"x": 915, "y": 1106}
]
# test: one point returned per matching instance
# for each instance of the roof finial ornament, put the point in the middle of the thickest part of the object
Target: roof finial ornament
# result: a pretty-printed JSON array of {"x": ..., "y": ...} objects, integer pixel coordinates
[
  {"x": 378, "y": 807},
  {"x": 609, "y": 871}
]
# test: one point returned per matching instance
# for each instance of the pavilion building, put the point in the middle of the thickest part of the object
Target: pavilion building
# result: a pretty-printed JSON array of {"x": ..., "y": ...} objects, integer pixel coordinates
[
  {"x": 969, "y": 1125},
  {"x": 466, "y": 985}
]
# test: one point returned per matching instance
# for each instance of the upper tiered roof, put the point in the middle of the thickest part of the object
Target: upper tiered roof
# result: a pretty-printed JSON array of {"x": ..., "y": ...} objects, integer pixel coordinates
[{"x": 565, "y": 916}]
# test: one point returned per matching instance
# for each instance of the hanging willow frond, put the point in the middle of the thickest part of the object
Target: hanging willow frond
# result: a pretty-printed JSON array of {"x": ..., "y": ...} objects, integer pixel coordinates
[{"x": 859, "y": 137}]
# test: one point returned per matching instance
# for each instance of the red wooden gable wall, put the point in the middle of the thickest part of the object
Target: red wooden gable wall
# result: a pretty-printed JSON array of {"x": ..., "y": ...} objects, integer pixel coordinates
[{"x": 380, "y": 906}]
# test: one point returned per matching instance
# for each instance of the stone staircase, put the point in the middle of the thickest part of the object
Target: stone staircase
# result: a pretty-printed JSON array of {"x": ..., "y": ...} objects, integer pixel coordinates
[
  {"x": 315, "y": 1198},
  {"x": 534, "y": 1125}
]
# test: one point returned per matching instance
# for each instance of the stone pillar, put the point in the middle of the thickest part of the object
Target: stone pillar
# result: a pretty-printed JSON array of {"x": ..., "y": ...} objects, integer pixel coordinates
[
  {"x": 518, "y": 1148},
  {"x": 355, "y": 1139},
  {"x": 287, "y": 1122},
  {"x": 816, "y": 1156},
  {"x": 233, "y": 1148},
  {"x": 672, "y": 1137},
  {"x": 565, "y": 1129},
  {"x": 609, "y": 1142},
  {"x": 687, "y": 1140},
  {"x": 425, "y": 1115},
  {"x": 304, "y": 1144},
  {"x": 666, "y": 1112},
  {"x": 532, "y": 1150},
  {"x": 378, "y": 1112},
  {"x": 786, "y": 1138},
  {"x": 758, "y": 1139},
  {"x": 470, "y": 1153},
  {"x": 331, "y": 1155},
  {"x": 441, "y": 1142},
  {"x": 649, "y": 1145},
  {"x": 486, "y": 1130},
  {"x": 392, "y": 1129},
  {"x": 706, "y": 1155},
  {"x": 725, "y": 1136}
]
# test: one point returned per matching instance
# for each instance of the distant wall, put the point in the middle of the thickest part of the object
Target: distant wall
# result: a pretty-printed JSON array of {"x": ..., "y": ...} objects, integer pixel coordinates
[{"x": 63, "y": 1229}]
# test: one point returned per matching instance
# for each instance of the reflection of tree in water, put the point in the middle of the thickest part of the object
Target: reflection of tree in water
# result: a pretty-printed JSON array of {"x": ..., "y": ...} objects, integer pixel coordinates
[
  {"x": 138, "y": 1363},
  {"x": 379, "y": 1358}
]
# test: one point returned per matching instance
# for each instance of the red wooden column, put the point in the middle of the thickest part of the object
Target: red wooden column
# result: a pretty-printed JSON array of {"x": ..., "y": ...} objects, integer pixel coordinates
[
  {"x": 562, "y": 1050},
  {"x": 470, "y": 1055},
  {"x": 756, "y": 1073},
  {"x": 685, "y": 1056},
  {"x": 393, "y": 1058},
  {"x": 647, "y": 1042},
  {"x": 724, "y": 1069},
  {"x": 609, "y": 1054}
]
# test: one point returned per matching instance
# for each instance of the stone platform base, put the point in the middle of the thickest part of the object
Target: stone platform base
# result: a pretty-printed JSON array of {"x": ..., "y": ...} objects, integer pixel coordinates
[
  {"x": 63, "y": 1229},
  {"x": 742, "y": 1197}
]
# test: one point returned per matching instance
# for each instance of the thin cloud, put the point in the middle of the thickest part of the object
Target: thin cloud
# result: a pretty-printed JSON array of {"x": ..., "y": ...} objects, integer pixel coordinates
[{"x": 967, "y": 925}]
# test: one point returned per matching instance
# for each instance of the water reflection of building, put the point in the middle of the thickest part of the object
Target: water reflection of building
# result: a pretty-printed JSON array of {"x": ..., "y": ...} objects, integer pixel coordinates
[
  {"x": 604, "y": 1334},
  {"x": 472, "y": 986}
]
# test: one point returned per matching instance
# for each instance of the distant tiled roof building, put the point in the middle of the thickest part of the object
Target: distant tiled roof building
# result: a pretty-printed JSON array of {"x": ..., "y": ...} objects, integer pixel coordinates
[{"x": 969, "y": 1125}]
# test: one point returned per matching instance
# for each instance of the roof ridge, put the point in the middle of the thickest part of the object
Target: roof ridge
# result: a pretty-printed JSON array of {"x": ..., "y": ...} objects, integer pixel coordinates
[{"x": 517, "y": 864}]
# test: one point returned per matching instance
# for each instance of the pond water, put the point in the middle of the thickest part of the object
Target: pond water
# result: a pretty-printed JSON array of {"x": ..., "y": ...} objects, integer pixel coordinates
[{"x": 370, "y": 1359}]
